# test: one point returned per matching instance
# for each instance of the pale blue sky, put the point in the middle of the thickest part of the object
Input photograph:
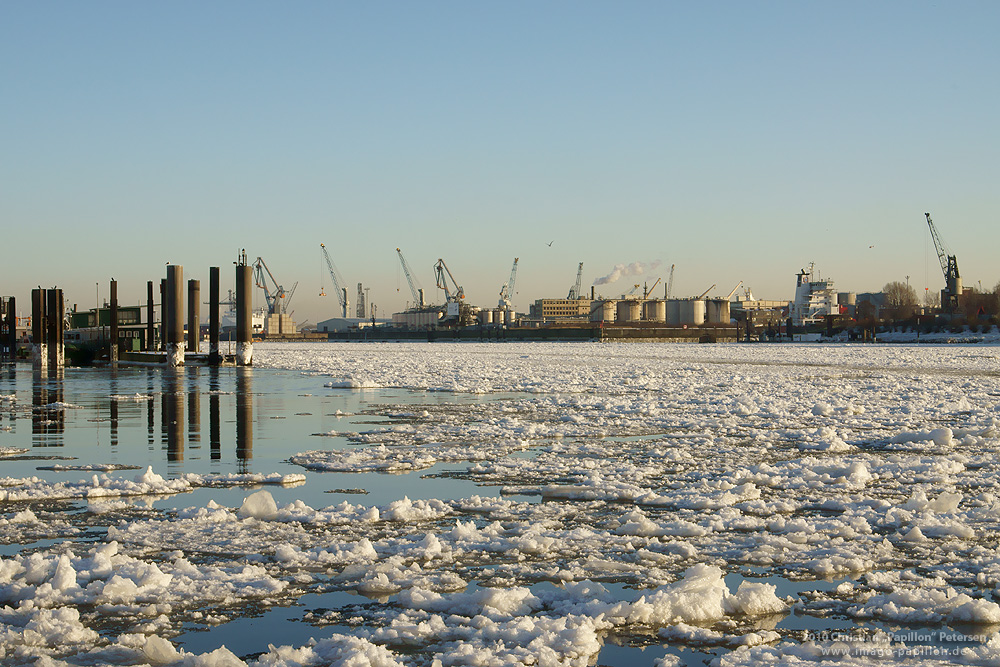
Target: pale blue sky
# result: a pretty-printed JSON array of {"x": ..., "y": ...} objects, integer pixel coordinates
[{"x": 737, "y": 140}]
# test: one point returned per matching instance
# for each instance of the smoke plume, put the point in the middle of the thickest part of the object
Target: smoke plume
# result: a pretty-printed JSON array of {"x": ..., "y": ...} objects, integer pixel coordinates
[{"x": 622, "y": 270}]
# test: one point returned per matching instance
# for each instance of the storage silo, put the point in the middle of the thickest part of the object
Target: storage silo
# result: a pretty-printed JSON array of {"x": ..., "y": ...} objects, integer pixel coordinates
[
  {"x": 693, "y": 311},
  {"x": 602, "y": 311},
  {"x": 629, "y": 310},
  {"x": 718, "y": 311},
  {"x": 486, "y": 316},
  {"x": 674, "y": 312},
  {"x": 654, "y": 310}
]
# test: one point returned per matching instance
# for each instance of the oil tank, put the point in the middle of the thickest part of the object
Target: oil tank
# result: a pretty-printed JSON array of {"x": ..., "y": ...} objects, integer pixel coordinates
[
  {"x": 693, "y": 311},
  {"x": 847, "y": 298},
  {"x": 486, "y": 316},
  {"x": 508, "y": 317},
  {"x": 497, "y": 316},
  {"x": 602, "y": 311},
  {"x": 629, "y": 310},
  {"x": 674, "y": 312},
  {"x": 654, "y": 310},
  {"x": 718, "y": 311}
]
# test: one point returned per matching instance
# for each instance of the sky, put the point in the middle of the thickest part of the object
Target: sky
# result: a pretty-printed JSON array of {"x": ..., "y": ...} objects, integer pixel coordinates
[{"x": 736, "y": 141}]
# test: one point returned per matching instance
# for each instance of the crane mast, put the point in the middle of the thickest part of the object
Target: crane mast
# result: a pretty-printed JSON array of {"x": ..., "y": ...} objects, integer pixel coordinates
[
  {"x": 508, "y": 288},
  {"x": 574, "y": 292},
  {"x": 278, "y": 298},
  {"x": 334, "y": 276},
  {"x": 442, "y": 273},
  {"x": 670, "y": 283},
  {"x": 415, "y": 289},
  {"x": 949, "y": 267}
]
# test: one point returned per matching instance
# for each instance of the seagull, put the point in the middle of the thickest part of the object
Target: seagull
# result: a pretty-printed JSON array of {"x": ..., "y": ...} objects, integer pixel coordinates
[{"x": 551, "y": 242}]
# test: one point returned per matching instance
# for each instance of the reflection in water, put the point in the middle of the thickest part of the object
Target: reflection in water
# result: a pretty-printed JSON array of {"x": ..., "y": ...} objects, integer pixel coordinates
[
  {"x": 214, "y": 413},
  {"x": 172, "y": 413},
  {"x": 244, "y": 414},
  {"x": 113, "y": 393},
  {"x": 194, "y": 408},
  {"x": 48, "y": 416}
]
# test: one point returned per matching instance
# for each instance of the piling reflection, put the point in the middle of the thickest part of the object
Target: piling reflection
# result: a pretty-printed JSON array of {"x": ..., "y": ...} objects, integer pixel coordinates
[
  {"x": 172, "y": 413},
  {"x": 194, "y": 408},
  {"x": 48, "y": 409},
  {"x": 244, "y": 413},
  {"x": 214, "y": 413},
  {"x": 113, "y": 397}
]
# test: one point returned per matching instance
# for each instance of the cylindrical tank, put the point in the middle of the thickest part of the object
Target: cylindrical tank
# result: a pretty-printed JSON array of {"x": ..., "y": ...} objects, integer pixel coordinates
[
  {"x": 497, "y": 316},
  {"x": 629, "y": 310},
  {"x": 654, "y": 311},
  {"x": 602, "y": 311},
  {"x": 508, "y": 317},
  {"x": 717, "y": 311},
  {"x": 674, "y": 312},
  {"x": 847, "y": 298},
  {"x": 693, "y": 311},
  {"x": 486, "y": 316}
]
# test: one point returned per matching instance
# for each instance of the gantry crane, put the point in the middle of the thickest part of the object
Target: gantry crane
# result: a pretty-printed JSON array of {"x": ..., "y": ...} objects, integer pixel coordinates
[
  {"x": 949, "y": 267},
  {"x": 574, "y": 291},
  {"x": 507, "y": 291},
  {"x": 337, "y": 282},
  {"x": 442, "y": 273},
  {"x": 415, "y": 289},
  {"x": 278, "y": 299},
  {"x": 670, "y": 283},
  {"x": 703, "y": 294}
]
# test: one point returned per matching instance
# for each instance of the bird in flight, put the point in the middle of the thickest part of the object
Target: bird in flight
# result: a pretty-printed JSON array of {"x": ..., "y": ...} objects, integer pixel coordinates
[{"x": 551, "y": 242}]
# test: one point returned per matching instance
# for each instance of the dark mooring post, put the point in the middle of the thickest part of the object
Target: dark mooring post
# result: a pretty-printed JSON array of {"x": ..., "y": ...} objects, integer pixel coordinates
[
  {"x": 163, "y": 314},
  {"x": 39, "y": 332},
  {"x": 194, "y": 315},
  {"x": 113, "y": 343},
  {"x": 244, "y": 330},
  {"x": 54, "y": 323},
  {"x": 214, "y": 357},
  {"x": 150, "y": 340},
  {"x": 175, "y": 315}
]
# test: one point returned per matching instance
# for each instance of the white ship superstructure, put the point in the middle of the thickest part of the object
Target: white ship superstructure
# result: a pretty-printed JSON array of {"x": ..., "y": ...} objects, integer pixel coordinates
[{"x": 815, "y": 298}]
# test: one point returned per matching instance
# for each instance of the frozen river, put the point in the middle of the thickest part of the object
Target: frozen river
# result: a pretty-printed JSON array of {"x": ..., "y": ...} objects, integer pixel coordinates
[{"x": 506, "y": 504}]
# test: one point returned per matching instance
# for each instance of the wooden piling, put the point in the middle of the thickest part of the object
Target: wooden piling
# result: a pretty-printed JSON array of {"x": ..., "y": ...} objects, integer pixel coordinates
[
  {"x": 39, "y": 330},
  {"x": 175, "y": 315},
  {"x": 150, "y": 330},
  {"x": 214, "y": 358},
  {"x": 113, "y": 343},
  {"x": 194, "y": 315},
  {"x": 244, "y": 323},
  {"x": 55, "y": 326}
]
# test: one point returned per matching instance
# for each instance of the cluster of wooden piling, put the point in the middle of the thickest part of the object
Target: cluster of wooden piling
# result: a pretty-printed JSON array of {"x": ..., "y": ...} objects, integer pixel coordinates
[{"x": 47, "y": 324}]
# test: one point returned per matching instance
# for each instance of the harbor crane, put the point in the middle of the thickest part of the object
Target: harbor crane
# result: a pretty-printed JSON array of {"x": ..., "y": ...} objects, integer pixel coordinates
[
  {"x": 949, "y": 267},
  {"x": 415, "y": 289},
  {"x": 646, "y": 291},
  {"x": 670, "y": 283},
  {"x": 703, "y": 294},
  {"x": 730, "y": 295},
  {"x": 337, "y": 282},
  {"x": 278, "y": 298},
  {"x": 507, "y": 291},
  {"x": 574, "y": 291},
  {"x": 442, "y": 274}
]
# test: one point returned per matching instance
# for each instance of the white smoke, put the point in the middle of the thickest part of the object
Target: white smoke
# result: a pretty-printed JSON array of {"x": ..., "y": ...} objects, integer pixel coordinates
[{"x": 622, "y": 270}]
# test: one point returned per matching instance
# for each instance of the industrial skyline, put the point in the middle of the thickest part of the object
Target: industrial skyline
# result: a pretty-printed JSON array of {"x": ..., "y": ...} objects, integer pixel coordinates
[{"x": 737, "y": 141}]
